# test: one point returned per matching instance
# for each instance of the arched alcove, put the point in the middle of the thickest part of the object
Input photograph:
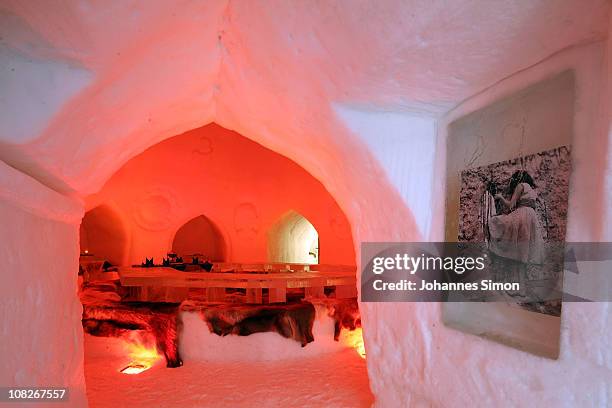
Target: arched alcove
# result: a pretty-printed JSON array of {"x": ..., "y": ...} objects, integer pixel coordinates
[
  {"x": 200, "y": 236},
  {"x": 102, "y": 234},
  {"x": 260, "y": 70},
  {"x": 293, "y": 239}
]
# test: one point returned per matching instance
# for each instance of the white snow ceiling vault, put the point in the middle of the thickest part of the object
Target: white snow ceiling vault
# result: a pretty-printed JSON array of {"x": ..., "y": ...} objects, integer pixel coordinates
[{"x": 85, "y": 86}]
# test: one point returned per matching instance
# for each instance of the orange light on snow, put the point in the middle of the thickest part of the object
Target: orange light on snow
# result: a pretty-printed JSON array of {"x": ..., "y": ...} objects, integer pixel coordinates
[
  {"x": 134, "y": 368},
  {"x": 142, "y": 357},
  {"x": 354, "y": 339}
]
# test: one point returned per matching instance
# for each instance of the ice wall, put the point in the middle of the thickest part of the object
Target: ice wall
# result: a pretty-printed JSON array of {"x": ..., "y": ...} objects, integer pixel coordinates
[
  {"x": 274, "y": 72},
  {"x": 404, "y": 144},
  {"x": 42, "y": 338},
  {"x": 606, "y": 130},
  {"x": 484, "y": 373}
]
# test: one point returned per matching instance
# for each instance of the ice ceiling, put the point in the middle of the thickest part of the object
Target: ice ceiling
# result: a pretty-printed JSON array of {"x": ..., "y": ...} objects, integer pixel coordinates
[{"x": 84, "y": 86}]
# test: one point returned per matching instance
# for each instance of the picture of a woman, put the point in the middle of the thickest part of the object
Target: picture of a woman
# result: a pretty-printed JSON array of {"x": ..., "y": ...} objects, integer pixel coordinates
[
  {"x": 517, "y": 209},
  {"x": 516, "y": 233}
]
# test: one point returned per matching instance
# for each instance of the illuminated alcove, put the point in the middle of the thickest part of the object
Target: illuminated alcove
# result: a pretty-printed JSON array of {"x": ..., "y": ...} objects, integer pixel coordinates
[
  {"x": 199, "y": 237},
  {"x": 84, "y": 99},
  {"x": 102, "y": 235},
  {"x": 293, "y": 239}
]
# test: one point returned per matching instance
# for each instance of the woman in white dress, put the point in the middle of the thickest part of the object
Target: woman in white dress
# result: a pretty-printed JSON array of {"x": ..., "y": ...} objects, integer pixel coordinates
[{"x": 517, "y": 235}]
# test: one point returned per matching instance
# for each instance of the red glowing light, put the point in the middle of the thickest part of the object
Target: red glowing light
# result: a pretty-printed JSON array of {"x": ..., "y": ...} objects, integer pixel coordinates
[
  {"x": 142, "y": 358},
  {"x": 354, "y": 339}
]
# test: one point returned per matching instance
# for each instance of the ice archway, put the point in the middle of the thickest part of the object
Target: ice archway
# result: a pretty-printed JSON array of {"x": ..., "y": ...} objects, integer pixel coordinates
[
  {"x": 200, "y": 236},
  {"x": 102, "y": 233},
  {"x": 293, "y": 239},
  {"x": 92, "y": 85}
]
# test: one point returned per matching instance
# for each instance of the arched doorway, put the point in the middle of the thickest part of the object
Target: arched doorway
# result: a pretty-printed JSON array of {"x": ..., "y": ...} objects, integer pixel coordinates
[
  {"x": 293, "y": 239},
  {"x": 199, "y": 236},
  {"x": 102, "y": 234}
]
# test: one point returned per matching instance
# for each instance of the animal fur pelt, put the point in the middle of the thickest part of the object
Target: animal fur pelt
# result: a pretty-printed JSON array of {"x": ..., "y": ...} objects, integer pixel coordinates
[
  {"x": 345, "y": 313},
  {"x": 293, "y": 321},
  {"x": 104, "y": 315}
]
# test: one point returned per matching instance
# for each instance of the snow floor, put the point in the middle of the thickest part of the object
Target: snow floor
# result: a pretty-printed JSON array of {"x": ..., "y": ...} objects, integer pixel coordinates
[{"x": 337, "y": 379}]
